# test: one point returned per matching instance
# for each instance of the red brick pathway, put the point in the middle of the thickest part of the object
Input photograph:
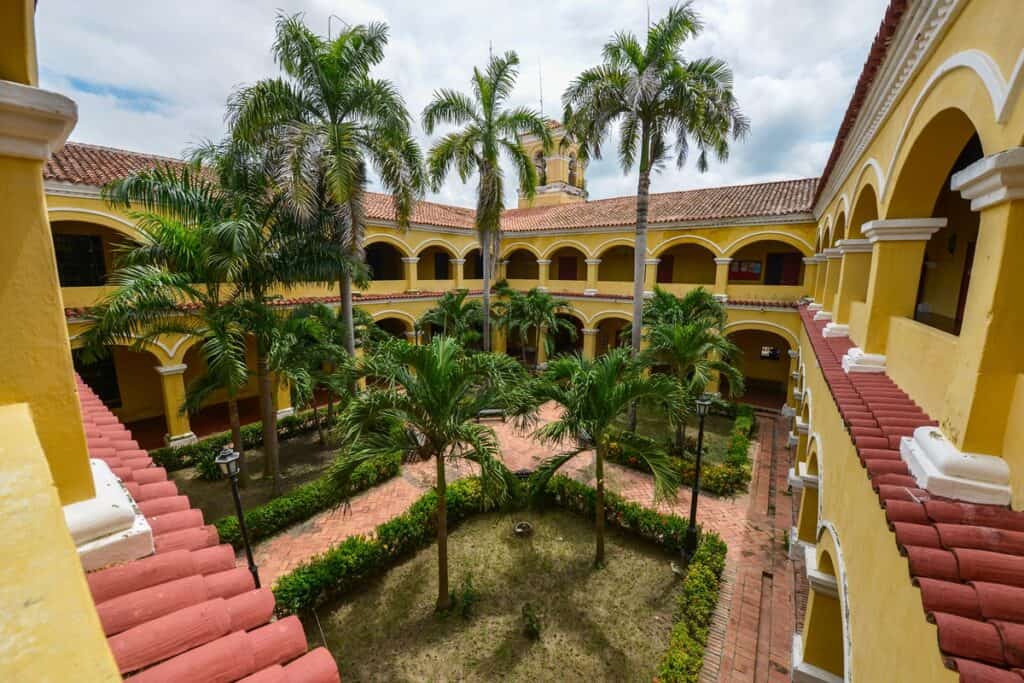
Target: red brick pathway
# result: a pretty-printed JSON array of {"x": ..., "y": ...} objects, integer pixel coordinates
[{"x": 760, "y": 613}]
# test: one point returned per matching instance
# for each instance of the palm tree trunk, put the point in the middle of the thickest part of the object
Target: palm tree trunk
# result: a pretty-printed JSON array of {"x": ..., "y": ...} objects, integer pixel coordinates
[
  {"x": 236, "y": 436},
  {"x": 485, "y": 242},
  {"x": 346, "y": 315},
  {"x": 443, "y": 598},
  {"x": 643, "y": 200},
  {"x": 268, "y": 413},
  {"x": 599, "y": 506}
]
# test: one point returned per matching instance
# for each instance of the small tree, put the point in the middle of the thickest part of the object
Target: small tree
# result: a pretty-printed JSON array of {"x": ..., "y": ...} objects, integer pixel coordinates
[
  {"x": 592, "y": 396},
  {"x": 533, "y": 312},
  {"x": 456, "y": 316},
  {"x": 434, "y": 393}
]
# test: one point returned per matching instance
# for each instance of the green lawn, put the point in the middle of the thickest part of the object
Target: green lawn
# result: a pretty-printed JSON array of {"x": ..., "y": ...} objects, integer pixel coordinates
[
  {"x": 610, "y": 624},
  {"x": 717, "y": 431}
]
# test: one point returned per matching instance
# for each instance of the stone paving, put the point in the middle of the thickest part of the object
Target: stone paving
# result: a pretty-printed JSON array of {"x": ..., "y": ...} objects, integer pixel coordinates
[{"x": 750, "y": 642}]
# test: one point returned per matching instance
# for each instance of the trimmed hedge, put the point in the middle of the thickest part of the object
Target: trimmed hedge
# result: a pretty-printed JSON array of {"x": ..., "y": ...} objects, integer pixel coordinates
[
  {"x": 723, "y": 479},
  {"x": 303, "y": 502},
  {"x": 343, "y": 567},
  {"x": 695, "y": 606},
  {"x": 201, "y": 454}
]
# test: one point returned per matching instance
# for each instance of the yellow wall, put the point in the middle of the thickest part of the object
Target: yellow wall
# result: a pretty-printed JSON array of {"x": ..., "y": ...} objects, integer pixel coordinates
[
  {"x": 616, "y": 265},
  {"x": 691, "y": 263},
  {"x": 139, "y": 384},
  {"x": 750, "y": 361}
]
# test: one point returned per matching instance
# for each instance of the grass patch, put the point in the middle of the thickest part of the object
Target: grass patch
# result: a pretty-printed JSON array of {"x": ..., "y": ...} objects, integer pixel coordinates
[{"x": 608, "y": 624}]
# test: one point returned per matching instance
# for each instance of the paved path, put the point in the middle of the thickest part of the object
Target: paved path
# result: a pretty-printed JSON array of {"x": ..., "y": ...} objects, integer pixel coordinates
[{"x": 755, "y": 620}]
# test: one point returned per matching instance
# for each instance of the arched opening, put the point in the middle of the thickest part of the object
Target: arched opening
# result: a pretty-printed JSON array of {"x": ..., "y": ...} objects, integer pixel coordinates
[
  {"x": 396, "y": 327},
  {"x": 86, "y": 252},
  {"x": 865, "y": 209},
  {"x": 522, "y": 265},
  {"x": 767, "y": 262},
  {"x": 213, "y": 416},
  {"x": 385, "y": 261},
  {"x": 949, "y": 254},
  {"x": 807, "y": 517},
  {"x": 541, "y": 164},
  {"x": 567, "y": 263},
  {"x": 566, "y": 341},
  {"x": 474, "y": 267},
  {"x": 573, "y": 171},
  {"x": 616, "y": 264},
  {"x": 134, "y": 391},
  {"x": 434, "y": 264},
  {"x": 687, "y": 264},
  {"x": 823, "y": 640},
  {"x": 609, "y": 335},
  {"x": 764, "y": 362}
]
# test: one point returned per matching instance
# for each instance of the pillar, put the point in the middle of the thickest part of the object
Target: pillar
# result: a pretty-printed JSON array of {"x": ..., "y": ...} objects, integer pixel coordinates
[
  {"x": 458, "y": 271},
  {"x": 721, "y": 278},
  {"x": 819, "y": 281},
  {"x": 794, "y": 383},
  {"x": 499, "y": 339},
  {"x": 807, "y": 519},
  {"x": 543, "y": 272},
  {"x": 360, "y": 354},
  {"x": 283, "y": 398},
  {"x": 413, "y": 337},
  {"x": 833, "y": 262},
  {"x": 592, "y": 270},
  {"x": 897, "y": 252},
  {"x": 172, "y": 385},
  {"x": 542, "y": 347},
  {"x": 854, "y": 268},
  {"x": 650, "y": 275},
  {"x": 412, "y": 283},
  {"x": 810, "y": 274},
  {"x": 502, "y": 273},
  {"x": 589, "y": 343}
]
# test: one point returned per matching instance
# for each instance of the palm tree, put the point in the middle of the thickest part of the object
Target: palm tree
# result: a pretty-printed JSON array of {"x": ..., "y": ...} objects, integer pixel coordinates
[
  {"x": 436, "y": 391},
  {"x": 658, "y": 98},
  {"x": 489, "y": 131},
  {"x": 535, "y": 311},
  {"x": 456, "y": 316},
  {"x": 696, "y": 305},
  {"x": 592, "y": 396},
  {"x": 329, "y": 121}
]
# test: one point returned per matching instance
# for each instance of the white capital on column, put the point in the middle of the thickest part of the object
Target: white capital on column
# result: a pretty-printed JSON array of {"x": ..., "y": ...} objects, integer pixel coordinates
[{"x": 993, "y": 180}]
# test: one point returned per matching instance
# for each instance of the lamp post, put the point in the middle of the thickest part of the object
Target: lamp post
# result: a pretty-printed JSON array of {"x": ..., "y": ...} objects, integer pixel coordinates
[
  {"x": 690, "y": 542},
  {"x": 228, "y": 462}
]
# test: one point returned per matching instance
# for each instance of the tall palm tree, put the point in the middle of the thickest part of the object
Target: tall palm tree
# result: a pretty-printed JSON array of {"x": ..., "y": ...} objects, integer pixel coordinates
[
  {"x": 436, "y": 391},
  {"x": 455, "y": 315},
  {"x": 592, "y": 396},
  {"x": 663, "y": 103},
  {"x": 534, "y": 312},
  {"x": 329, "y": 122},
  {"x": 489, "y": 130},
  {"x": 696, "y": 305}
]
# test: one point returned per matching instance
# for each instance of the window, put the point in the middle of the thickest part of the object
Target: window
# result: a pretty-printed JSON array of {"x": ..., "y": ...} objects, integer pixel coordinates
[
  {"x": 769, "y": 353},
  {"x": 79, "y": 260}
]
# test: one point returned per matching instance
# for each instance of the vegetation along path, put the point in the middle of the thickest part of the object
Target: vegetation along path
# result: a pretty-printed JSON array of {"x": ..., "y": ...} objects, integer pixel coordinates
[{"x": 755, "y": 621}]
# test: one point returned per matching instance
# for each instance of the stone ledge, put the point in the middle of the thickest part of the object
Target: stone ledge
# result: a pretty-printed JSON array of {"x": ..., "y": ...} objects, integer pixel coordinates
[{"x": 856, "y": 360}]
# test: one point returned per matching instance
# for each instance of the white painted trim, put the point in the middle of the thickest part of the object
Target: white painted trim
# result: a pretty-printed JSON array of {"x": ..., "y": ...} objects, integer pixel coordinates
[
  {"x": 286, "y": 412},
  {"x": 34, "y": 123},
  {"x": 592, "y": 261},
  {"x": 685, "y": 239},
  {"x": 186, "y": 439},
  {"x": 814, "y": 307},
  {"x": 457, "y": 261},
  {"x": 755, "y": 324},
  {"x": 835, "y": 330},
  {"x": 723, "y": 261},
  {"x": 652, "y": 261},
  {"x": 902, "y": 229},
  {"x": 823, "y": 315},
  {"x": 166, "y": 370},
  {"x": 411, "y": 259},
  {"x": 944, "y": 470},
  {"x": 854, "y": 246},
  {"x": 555, "y": 246},
  {"x": 808, "y": 673},
  {"x": 435, "y": 242},
  {"x": 589, "y": 332},
  {"x": 747, "y": 239},
  {"x": 855, "y": 360},
  {"x": 993, "y": 180},
  {"x": 832, "y": 253},
  {"x": 543, "y": 262}
]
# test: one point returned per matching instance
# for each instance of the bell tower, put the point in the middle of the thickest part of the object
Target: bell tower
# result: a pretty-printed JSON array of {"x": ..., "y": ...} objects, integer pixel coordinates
[{"x": 559, "y": 173}]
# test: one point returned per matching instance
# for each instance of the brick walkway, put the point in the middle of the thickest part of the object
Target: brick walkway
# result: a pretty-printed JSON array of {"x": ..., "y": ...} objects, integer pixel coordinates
[{"x": 755, "y": 632}]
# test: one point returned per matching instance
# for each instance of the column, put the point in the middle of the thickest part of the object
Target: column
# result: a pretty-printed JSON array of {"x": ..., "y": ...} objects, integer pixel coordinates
[
  {"x": 897, "y": 252},
  {"x": 283, "y": 398},
  {"x": 722, "y": 278},
  {"x": 543, "y": 272},
  {"x": 502, "y": 269},
  {"x": 499, "y": 340},
  {"x": 833, "y": 261},
  {"x": 592, "y": 269},
  {"x": 810, "y": 274},
  {"x": 818, "y": 294},
  {"x": 789, "y": 409},
  {"x": 172, "y": 384},
  {"x": 855, "y": 266},
  {"x": 360, "y": 355},
  {"x": 458, "y": 271},
  {"x": 589, "y": 343},
  {"x": 542, "y": 347},
  {"x": 413, "y": 337},
  {"x": 411, "y": 277},
  {"x": 650, "y": 275}
]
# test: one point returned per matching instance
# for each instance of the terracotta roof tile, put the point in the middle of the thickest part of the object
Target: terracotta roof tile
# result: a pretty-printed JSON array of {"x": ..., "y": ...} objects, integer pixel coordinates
[
  {"x": 84, "y": 164},
  {"x": 967, "y": 559}
]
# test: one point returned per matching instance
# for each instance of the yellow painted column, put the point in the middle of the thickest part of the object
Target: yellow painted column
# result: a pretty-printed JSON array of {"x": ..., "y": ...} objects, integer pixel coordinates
[
  {"x": 412, "y": 283},
  {"x": 650, "y": 275},
  {"x": 896, "y": 258},
  {"x": 413, "y": 337},
  {"x": 722, "y": 277},
  {"x": 502, "y": 270},
  {"x": 542, "y": 347},
  {"x": 499, "y": 340},
  {"x": 810, "y": 275},
  {"x": 819, "y": 280},
  {"x": 589, "y": 343},
  {"x": 360, "y": 354},
  {"x": 833, "y": 262},
  {"x": 458, "y": 271},
  {"x": 807, "y": 520},
  {"x": 592, "y": 271},
  {"x": 283, "y": 398},
  {"x": 172, "y": 385},
  {"x": 543, "y": 272},
  {"x": 794, "y": 379},
  {"x": 853, "y": 277}
]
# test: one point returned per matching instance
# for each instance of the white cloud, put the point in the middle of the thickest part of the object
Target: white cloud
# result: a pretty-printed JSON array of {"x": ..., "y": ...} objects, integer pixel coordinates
[{"x": 795, "y": 64}]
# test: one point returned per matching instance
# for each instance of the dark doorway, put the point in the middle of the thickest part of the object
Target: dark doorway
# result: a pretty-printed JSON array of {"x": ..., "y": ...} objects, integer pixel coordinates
[
  {"x": 567, "y": 268},
  {"x": 441, "y": 266},
  {"x": 782, "y": 269},
  {"x": 79, "y": 260}
]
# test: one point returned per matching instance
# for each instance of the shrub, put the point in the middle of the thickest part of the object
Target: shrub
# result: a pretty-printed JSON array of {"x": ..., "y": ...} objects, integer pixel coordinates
[
  {"x": 695, "y": 606},
  {"x": 303, "y": 502},
  {"x": 531, "y": 621},
  {"x": 465, "y": 597}
]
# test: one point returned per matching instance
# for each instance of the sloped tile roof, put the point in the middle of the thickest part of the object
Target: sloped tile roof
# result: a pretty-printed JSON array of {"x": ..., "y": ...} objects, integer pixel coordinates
[
  {"x": 186, "y": 613},
  {"x": 84, "y": 164},
  {"x": 711, "y": 204},
  {"x": 967, "y": 559}
]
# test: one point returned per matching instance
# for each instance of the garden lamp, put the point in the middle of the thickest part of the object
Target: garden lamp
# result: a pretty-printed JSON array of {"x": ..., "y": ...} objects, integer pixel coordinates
[
  {"x": 229, "y": 462},
  {"x": 690, "y": 542}
]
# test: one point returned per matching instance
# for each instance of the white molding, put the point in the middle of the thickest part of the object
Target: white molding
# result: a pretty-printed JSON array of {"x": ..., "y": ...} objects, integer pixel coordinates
[
  {"x": 819, "y": 581},
  {"x": 797, "y": 548},
  {"x": 589, "y": 292},
  {"x": 788, "y": 411},
  {"x": 652, "y": 261},
  {"x": 823, "y": 315},
  {"x": 543, "y": 262},
  {"x": 902, "y": 229},
  {"x": 832, "y": 253},
  {"x": 795, "y": 483},
  {"x": 186, "y": 439},
  {"x": 793, "y": 440},
  {"x": 793, "y": 353},
  {"x": 410, "y": 259},
  {"x": 814, "y": 307},
  {"x": 589, "y": 331},
  {"x": 801, "y": 426},
  {"x": 457, "y": 261},
  {"x": 724, "y": 298},
  {"x": 166, "y": 370},
  {"x": 34, "y": 123},
  {"x": 993, "y": 180},
  {"x": 286, "y": 412},
  {"x": 65, "y": 189},
  {"x": 855, "y": 360},
  {"x": 835, "y": 330},
  {"x": 592, "y": 261},
  {"x": 938, "y": 466},
  {"x": 798, "y": 394},
  {"x": 808, "y": 481},
  {"x": 808, "y": 673},
  {"x": 724, "y": 261},
  {"x": 854, "y": 246},
  {"x": 813, "y": 260}
]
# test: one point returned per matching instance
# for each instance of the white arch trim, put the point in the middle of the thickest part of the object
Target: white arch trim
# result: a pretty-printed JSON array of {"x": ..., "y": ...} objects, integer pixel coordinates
[
  {"x": 396, "y": 242},
  {"x": 567, "y": 243},
  {"x": 748, "y": 239},
  {"x": 754, "y": 324},
  {"x": 91, "y": 212},
  {"x": 686, "y": 239},
  {"x": 839, "y": 561},
  {"x": 468, "y": 248},
  {"x": 614, "y": 242},
  {"x": 608, "y": 314},
  {"x": 437, "y": 242},
  {"x": 394, "y": 313},
  {"x": 507, "y": 250},
  {"x": 1003, "y": 93},
  {"x": 170, "y": 351}
]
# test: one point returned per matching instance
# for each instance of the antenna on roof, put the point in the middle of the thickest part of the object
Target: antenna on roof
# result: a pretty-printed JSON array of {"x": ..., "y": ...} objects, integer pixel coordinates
[
  {"x": 648, "y": 17},
  {"x": 334, "y": 16},
  {"x": 540, "y": 82}
]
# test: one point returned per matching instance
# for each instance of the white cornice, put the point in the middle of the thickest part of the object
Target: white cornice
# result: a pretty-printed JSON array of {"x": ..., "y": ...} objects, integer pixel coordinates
[
  {"x": 63, "y": 189},
  {"x": 34, "y": 123},
  {"x": 993, "y": 180},
  {"x": 902, "y": 229},
  {"x": 919, "y": 33}
]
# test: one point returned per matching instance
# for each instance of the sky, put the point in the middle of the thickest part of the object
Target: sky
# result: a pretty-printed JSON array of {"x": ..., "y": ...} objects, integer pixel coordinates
[{"x": 154, "y": 76}]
